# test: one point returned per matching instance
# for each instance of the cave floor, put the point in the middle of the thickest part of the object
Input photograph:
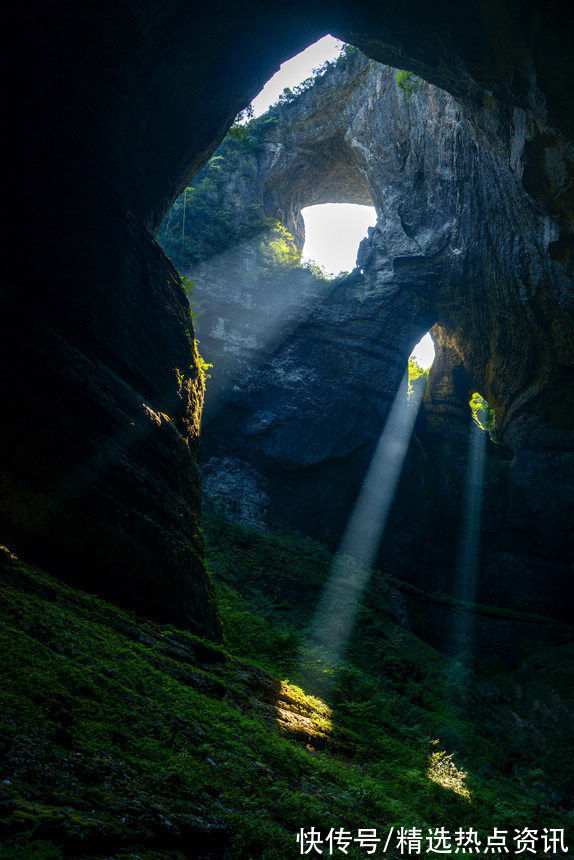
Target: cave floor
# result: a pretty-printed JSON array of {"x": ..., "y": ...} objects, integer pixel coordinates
[{"x": 120, "y": 737}]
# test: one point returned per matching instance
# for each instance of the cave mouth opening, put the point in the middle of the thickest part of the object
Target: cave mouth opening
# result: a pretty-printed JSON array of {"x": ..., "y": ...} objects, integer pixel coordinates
[{"x": 333, "y": 232}]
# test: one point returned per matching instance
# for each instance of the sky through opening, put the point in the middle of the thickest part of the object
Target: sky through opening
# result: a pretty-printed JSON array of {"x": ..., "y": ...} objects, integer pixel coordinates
[
  {"x": 333, "y": 231},
  {"x": 296, "y": 70}
]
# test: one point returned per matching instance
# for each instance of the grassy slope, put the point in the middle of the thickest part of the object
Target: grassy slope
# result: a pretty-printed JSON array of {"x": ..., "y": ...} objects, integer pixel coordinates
[{"x": 119, "y": 737}]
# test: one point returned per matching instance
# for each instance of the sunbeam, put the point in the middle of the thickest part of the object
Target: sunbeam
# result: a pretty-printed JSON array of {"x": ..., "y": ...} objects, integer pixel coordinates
[
  {"x": 256, "y": 324},
  {"x": 469, "y": 546},
  {"x": 340, "y": 601}
]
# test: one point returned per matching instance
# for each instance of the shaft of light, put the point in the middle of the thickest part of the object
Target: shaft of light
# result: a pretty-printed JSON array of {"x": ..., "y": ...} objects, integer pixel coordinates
[
  {"x": 341, "y": 599},
  {"x": 469, "y": 547},
  {"x": 255, "y": 325}
]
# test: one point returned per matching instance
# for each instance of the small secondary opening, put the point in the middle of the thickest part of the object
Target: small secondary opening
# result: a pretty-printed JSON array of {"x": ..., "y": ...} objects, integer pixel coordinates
[
  {"x": 423, "y": 353},
  {"x": 420, "y": 361}
]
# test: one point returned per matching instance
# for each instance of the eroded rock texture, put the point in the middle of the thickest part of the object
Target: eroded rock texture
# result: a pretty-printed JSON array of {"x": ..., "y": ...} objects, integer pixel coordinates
[
  {"x": 109, "y": 114},
  {"x": 103, "y": 487},
  {"x": 306, "y": 371}
]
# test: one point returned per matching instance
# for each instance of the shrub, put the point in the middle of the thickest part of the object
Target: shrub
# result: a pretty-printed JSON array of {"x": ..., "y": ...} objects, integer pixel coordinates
[
  {"x": 407, "y": 82},
  {"x": 483, "y": 413}
]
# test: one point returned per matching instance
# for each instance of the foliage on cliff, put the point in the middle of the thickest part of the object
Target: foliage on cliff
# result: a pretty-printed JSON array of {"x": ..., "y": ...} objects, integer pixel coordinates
[
  {"x": 416, "y": 372},
  {"x": 120, "y": 737},
  {"x": 205, "y": 219},
  {"x": 278, "y": 250},
  {"x": 483, "y": 413},
  {"x": 408, "y": 83}
]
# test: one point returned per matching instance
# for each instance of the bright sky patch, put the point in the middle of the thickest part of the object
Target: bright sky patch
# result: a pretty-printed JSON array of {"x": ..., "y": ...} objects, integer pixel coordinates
[
  {"x": 333, "y": 232},
  {"x": 296, "y": 70}
]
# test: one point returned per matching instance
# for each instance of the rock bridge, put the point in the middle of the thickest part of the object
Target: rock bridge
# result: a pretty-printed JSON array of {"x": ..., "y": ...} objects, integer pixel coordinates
[{"x": 455, "y": 228}]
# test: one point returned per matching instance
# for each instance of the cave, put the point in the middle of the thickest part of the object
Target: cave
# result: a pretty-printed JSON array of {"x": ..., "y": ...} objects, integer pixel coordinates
[
  {"x": 121, "y": 643},
  {"x": 306, "y": 370}
]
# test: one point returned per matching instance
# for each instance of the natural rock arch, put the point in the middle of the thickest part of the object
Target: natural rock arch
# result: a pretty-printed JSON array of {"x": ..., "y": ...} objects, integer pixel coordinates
[{"x": 455, "y": 227}]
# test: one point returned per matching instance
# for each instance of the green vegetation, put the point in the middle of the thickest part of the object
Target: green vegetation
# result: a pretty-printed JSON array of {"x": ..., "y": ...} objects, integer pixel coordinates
[
  {"x": 239, "y": 128},
  {"x": 483, "y": 413},
  {"x": 120, "y": 735},
  {"x": 408, "y": 83},
  {"x": 204, "y": 220},
  {"x": 416, "y": 372},
  {"x": 199, "y": 225},
  {"x": 278, "y": 250},
  {"x": 319, "y": 273},
  {"x": 203, "y": 367},
  {"x": 190, "y": 289},
  {"x": 279, "y": 255}
]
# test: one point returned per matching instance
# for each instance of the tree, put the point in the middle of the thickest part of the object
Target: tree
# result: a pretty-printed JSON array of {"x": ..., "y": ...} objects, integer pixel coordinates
[{"x": 416, "y": 372}]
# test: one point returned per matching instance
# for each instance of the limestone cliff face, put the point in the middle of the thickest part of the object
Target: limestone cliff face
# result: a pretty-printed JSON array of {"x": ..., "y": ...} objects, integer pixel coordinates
[
  {"x": 305, "y": 371},
  {"x": 107, "y": 118},
  {"x": 455, "y": 227}
]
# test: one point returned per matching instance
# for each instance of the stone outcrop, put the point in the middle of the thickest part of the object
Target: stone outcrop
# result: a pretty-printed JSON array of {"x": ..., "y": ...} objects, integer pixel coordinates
[
  {"x": 305, "y": 371},
  {"x": 104, "y": 488},
  {"x": 108, "y": 117}
]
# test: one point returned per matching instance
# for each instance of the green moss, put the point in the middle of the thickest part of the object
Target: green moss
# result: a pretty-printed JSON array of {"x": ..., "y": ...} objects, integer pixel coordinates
[
  {"x": 408, "y": 83},
  {"x": 122, "y": 735}
]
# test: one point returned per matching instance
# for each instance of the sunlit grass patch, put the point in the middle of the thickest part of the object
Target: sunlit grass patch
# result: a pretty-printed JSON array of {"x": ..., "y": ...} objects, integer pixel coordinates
[
  {"x": 444, "y": 771},
  {"x": 301, "y": 715}
]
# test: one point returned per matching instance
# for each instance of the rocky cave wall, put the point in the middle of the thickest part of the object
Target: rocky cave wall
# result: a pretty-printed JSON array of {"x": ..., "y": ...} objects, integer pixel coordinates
[
  {"x": 109, "y": 114},
  {"x": 305, "y": 371}
]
